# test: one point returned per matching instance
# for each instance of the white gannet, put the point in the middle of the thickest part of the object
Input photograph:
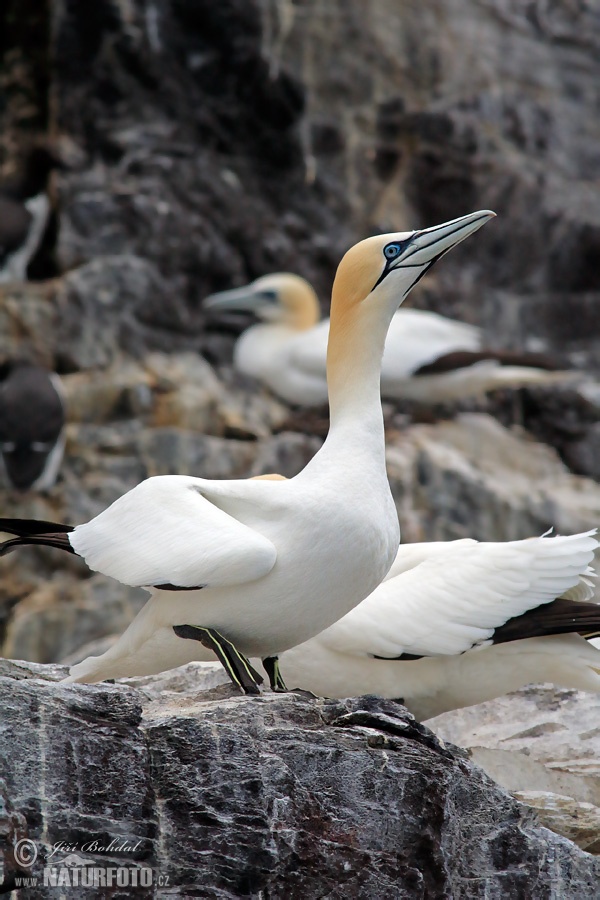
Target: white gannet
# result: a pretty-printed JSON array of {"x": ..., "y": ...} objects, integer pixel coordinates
[
  {"x": 32, "y": 419},
  {"x": 428, "y": 357},
  {"x": 252, "y": 567},
  {"x": 457, "y": 623},
  {"x": 25, "y": 210}
]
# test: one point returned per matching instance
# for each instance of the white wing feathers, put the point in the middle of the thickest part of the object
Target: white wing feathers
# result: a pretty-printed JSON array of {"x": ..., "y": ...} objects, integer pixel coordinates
[
  {"x": 452, "y": 602},
  {"x": 411, "y": 555},
  {"x": 165, "y": 531}
]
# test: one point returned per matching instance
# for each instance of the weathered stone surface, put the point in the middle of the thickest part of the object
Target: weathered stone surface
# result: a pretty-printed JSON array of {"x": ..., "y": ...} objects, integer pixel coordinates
[
  {"x": 251, "y": 130},
  {"x": 61, "y": 614},
  {"x": 576, "y": 820},
  {"x": 471, "y": 477},
  {"x": 542, "y": 744},
  {"x": 230, "y": 796}
]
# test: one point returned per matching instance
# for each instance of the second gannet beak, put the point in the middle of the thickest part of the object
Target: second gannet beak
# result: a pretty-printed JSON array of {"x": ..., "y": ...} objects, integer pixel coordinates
[{"x": 243, "y": 298}]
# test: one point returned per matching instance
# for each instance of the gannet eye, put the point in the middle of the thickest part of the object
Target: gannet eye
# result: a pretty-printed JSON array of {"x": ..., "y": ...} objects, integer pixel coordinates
[
  {"x": 392, "y": 251},
  {"x": 269, "y": 296}
]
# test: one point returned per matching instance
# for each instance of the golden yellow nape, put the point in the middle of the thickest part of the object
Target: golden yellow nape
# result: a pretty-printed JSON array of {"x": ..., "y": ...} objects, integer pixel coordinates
[
  {"x": 358, "y": 273},
  {"x": 298, "y": 301}
]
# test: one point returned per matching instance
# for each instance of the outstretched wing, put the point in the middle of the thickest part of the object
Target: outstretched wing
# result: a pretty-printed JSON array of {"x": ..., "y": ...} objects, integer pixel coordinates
[
  {"x": 167, "y": 532},
  {"x": 455, "y": 601}
]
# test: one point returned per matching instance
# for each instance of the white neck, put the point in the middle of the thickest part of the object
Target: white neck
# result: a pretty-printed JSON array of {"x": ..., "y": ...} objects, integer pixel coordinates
[{"x": 354, "y": 357}]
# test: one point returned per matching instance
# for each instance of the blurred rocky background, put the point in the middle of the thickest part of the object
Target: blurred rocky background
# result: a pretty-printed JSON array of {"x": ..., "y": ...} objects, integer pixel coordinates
[{"x": 214, "y": 142}]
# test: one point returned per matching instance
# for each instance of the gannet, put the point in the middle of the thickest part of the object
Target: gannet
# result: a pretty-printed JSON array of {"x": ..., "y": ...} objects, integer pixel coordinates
[
  {"x": 24, "y": 211},
  {"x": 32, "y": 419},
  {"x": 457, "y": 623},
  {"x": 252, "y": 567},
  {"x": 428, "y": 357}
]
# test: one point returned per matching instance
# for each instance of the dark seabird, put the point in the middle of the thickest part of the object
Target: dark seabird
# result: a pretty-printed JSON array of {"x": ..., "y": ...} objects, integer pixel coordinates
[
  {"x": 32, "y": 418},
  {"x": 24, "y": 212}
]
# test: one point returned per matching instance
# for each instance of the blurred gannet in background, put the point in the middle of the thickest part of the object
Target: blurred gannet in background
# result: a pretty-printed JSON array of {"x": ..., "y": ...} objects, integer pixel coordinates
[
  {"x": 428, "y": 358},
  {"x": 252, "y": 567},
  {"x": 32, "y": 419},
  {"x": 457, "y": 623},
  {"x": 24, "y": 211}
]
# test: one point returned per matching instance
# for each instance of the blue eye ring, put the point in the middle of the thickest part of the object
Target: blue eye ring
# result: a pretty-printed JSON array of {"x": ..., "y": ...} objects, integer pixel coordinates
[{"x": 391, "y": 251}]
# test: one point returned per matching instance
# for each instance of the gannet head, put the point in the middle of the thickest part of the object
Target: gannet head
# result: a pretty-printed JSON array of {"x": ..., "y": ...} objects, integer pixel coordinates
[
  {"x": 383, "y": 269},
  {"x": 280, "y": 297}
]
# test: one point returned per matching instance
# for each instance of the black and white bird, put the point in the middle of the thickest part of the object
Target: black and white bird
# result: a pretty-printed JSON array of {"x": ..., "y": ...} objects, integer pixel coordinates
[
  {"x": 24, "y": 211},
  {"x": 32, "y": 419}
]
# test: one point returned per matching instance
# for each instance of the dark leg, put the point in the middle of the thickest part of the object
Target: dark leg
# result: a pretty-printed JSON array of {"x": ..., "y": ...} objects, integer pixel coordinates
[
  {"x": 271, "y": 664},
  {"x": 235, "y": 663}
]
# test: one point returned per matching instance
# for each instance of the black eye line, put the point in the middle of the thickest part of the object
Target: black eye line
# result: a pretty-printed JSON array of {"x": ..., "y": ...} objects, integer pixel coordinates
[
  {"x": 269, "y": 295},
  {"x": 390, "y": 268}
]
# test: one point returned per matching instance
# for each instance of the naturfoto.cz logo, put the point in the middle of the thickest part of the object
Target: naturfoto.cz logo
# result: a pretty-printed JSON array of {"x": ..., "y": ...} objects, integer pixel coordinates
[{"x": 74, "y": 870}]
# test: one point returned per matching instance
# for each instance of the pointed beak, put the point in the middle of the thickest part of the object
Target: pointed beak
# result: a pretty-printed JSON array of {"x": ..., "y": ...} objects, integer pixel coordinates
[
  {"x": 429, "y": 244},
  {"x": 242, "y": 298}
]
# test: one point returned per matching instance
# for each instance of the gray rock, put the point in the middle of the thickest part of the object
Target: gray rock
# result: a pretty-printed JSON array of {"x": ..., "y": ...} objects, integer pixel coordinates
[
  {"x": 58, "y": 616},
  {"x": 230, "y": 796},
  {"x": 471, "y": 477},
  {"x": 183, "y": 170},
  {"x": 542, "y": 744},
  {"x": 576, "y": 820}
]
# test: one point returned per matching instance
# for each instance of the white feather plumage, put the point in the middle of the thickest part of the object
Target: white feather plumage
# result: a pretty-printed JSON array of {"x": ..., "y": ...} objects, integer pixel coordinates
[
  {"x": 275, "y": 562},
  {"x": 443, "y": 602}
]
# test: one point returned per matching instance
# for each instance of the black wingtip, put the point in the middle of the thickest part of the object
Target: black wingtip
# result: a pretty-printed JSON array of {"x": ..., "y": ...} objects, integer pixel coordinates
[
  {"x": 28, "y": 527},
  {"x": 35, "y": 531},
  {"x": 562, "y": 616}
]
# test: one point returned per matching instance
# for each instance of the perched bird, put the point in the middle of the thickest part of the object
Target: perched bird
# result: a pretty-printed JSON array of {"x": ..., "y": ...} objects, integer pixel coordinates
[
  {"x": 461, "y": 622},
  {"x": 24, "y": 211},
  {"x": 427, "y": 358},
  {"x": 252, "y": 567},
  {"x": 32, "y": 419}
]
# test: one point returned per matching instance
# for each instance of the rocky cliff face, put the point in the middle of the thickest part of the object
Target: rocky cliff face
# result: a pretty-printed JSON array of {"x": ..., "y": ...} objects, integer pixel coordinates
[
  {"x": 225, "y": 141},
  {"x": 225, "y": 796},
  {"x": 216, "y": 142}
]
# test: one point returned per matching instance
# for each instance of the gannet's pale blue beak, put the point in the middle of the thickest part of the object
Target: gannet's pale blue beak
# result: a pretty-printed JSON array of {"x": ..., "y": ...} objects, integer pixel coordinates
[
  {"x": 429, "y": 244},
  {"x": 242, "y": 298},
  {"x": 419, "y": 250}
]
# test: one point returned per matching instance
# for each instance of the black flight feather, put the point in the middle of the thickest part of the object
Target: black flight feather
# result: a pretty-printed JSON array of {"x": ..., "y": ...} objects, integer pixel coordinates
[
  {"x": 461, "y": 359},
  {"x": 562, "y": 616},
  {"x": 34, "y": 531}
]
